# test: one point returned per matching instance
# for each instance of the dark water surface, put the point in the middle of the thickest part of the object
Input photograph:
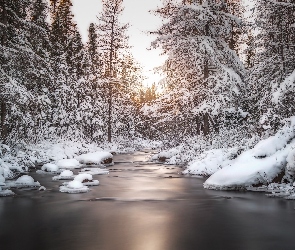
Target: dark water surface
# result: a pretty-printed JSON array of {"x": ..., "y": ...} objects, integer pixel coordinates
[{"x": 144, "y": 206}]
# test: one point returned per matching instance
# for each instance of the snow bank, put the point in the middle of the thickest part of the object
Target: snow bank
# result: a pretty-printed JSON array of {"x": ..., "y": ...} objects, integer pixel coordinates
[
  {"x": 260, "y": 165},
  {"x": 68, "y": 163},
  {"x": 211, "y": 161},
  {"x": 96, "y": 158}
]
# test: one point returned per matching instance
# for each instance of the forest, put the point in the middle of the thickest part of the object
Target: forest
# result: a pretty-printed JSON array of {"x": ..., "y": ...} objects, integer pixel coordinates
[{"x": 226, "y": 102}]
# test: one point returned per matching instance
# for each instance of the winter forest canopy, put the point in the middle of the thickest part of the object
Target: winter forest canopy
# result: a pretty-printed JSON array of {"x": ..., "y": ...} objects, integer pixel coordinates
[{"x": 228, "y": 79}]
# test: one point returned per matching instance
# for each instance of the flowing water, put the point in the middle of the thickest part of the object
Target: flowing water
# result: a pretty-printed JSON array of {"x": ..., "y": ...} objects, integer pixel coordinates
[{"x": 144, "y": 206}]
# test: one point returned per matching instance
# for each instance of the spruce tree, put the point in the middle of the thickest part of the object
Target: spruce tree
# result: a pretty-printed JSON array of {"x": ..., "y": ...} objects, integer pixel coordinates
[{"x": 112, "y": 40}]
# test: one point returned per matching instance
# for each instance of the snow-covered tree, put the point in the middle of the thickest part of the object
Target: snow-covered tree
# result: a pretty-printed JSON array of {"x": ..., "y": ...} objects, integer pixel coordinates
[
  {"x": 24, "y": 69},
  {"x": 112, "y": 41},
  {"x": 271, "y": 81},
  {"x": 204, "y": 73}
]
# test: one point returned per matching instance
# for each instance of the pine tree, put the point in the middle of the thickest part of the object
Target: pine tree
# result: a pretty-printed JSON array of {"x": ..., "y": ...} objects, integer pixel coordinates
[{"x": 112, "y": 40}]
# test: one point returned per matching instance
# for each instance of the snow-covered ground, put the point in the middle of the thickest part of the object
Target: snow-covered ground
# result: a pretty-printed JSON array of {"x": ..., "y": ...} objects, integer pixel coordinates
[{"x": 271, "y": 160}]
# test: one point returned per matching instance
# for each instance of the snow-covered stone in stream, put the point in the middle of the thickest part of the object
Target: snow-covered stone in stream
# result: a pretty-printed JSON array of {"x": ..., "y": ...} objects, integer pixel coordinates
[
  {"x": 4, "y": 193},
  {"x": 64, "y": 175},
  {"x": 74, "y": 187},
  {"x": 96, "y": 158},
  {"x": 24, "y": 181},
  {"x": 68, "y": 164},
  {"x": 94, "y": 171},
  {"x": 86, "y": 179},
  {"x": 83, "y": 177},
  {"x": 49, "y": 168}
]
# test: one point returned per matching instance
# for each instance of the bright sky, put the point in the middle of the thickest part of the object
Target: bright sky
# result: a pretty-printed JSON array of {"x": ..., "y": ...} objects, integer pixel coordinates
[{"x": 137, "y": 14}]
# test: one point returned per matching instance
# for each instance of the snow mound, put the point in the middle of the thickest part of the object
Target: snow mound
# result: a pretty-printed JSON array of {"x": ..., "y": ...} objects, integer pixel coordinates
[
  {"x": 49, "y": 167},
  {"x": 74, "y": 187},
  {"x": 24, "y": 181},
  {"x": 86, "y": 179},
  {"x": 260, "y": 165},
  {"x": 5, "y": 193},
  {"x": 64, "y": 175},
  {"x": 211, "y": 161},
  {"x": 96, "y": 158},
  {"x": 83, "y": 178},
  {"x": 94, "y": 171},
  {"x": 68, "y": 164}
]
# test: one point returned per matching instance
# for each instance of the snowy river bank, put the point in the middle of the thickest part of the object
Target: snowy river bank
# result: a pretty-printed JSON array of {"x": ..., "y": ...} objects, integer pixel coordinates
[{"x": 142, "y": 205}]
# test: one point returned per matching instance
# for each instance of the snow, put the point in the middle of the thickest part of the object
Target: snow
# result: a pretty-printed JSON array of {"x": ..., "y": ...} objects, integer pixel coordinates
[
  {"x": 74, "y": 187},
  {"x": 64, "y": 175},
  {"x": 68, "y": 163},
  {"x": 24, "y": 181},
  {"x": 75, "y": 184},
  {"x": 2, "y": 180},
  {"x": 260, "y": 165},
  {"x": 4, "y": 193},
  {"x": 83, "y": 177},
  {"x": 49, "y": 167},
  {"x": 95, "y": 158},
  {"x": 211, "y": 161}
]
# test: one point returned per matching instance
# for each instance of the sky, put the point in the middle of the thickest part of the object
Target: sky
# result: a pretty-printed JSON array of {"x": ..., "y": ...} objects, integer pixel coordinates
[{"x": 137, "y": 14}]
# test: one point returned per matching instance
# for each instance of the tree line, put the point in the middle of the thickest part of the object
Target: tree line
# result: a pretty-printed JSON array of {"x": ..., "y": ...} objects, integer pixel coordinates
[
  {"x": 229, "y": 67},
  {"x": 51, "y": 84}
]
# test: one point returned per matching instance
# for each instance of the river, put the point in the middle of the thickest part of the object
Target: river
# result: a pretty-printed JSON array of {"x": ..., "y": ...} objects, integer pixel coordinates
[{"x": 144, "y": 206}]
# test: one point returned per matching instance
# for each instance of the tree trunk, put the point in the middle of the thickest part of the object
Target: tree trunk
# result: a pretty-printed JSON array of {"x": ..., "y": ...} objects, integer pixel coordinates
[{"x": 206, "y": 128}]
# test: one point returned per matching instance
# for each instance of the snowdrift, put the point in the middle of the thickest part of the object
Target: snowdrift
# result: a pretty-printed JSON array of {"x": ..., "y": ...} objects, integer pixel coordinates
[{"x": 271, "y": 160}]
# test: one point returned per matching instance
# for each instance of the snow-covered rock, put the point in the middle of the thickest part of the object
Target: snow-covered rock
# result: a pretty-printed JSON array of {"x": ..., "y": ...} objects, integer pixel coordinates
[
  {"x": 83, "y": 177},
  {"x": 64, "y": 175},
  {"x": 74, "y": 187},
  {"x": 49, "y": 167},
  {"x": 24, "y": 181},
  {"x": 6, "y": 192},
  {"x": 86, "y": 179},
  {"x": 96, "y": 158},
  {"x": 68, "y": 164}
]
